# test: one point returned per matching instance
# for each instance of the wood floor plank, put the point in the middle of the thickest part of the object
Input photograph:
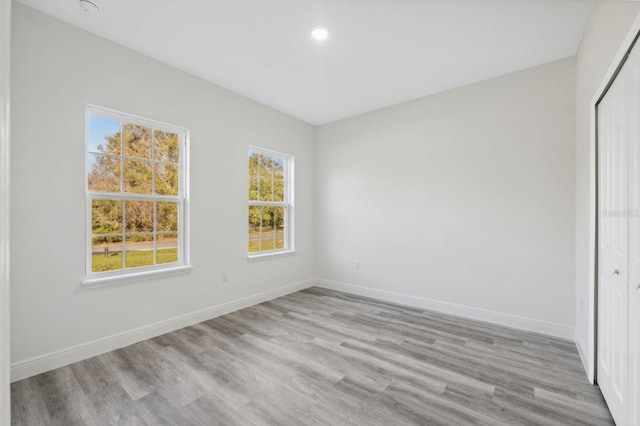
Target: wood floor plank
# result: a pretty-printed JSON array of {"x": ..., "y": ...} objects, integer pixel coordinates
[
  {"x": 321, "y": 357},
  {"x": 30, "y": 407}
]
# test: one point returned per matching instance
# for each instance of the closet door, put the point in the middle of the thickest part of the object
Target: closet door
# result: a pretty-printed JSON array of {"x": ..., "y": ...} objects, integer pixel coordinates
[
  {"x": 633, "y": 63},
  {"x": 634, "y": 338},
  {"x": 613, "y": 253}
]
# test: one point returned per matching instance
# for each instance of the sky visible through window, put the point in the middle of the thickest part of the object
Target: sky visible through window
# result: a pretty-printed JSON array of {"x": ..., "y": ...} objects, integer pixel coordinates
[{"x": 100, "y": 129}]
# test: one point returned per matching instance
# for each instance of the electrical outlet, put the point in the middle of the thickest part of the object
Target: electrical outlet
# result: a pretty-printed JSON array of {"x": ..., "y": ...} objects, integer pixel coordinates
[
  {"x": 225, "y": 277},
  {"x": 357, "y": 265}
]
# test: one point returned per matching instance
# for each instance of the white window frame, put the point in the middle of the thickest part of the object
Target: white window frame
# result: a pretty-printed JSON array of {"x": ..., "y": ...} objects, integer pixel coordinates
[
  {"x": 94, "y": 279},
  {"x": 288, "y": 204}
]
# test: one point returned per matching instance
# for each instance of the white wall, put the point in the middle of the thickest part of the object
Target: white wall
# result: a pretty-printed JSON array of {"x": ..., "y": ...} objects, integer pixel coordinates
[
  {"x": 5, "y": 37},
  {"x": 464, "y": 197},
  {"x": 608, "y": 25},
  {"x": 56, "y": 69}
]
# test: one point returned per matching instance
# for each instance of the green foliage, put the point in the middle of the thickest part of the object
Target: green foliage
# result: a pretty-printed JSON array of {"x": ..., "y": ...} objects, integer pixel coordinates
[
  {"x": 138, "y": 174},
  {"x": 139, "y": 216},
  {"x": 167, "y": 145},
  {"x": 266, "y": 178},
  {"x": 138, "y": 177},
  {"x": 265, "y": 218},
  {"x": 137, "y": 141},
  {"x": 106, "y": 170},
  {"x": 167, "y": 179},
  {"x": 106, "y": 217},
  {"x": 167, "y": 216}
]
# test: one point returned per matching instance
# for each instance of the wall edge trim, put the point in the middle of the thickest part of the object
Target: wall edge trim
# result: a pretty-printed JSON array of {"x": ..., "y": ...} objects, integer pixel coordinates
[{"x": 583, "y": 358}]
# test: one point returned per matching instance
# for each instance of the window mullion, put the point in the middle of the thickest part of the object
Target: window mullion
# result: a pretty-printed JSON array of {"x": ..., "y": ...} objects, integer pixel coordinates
[
  {"x": 124, "y": 235},
  {"x": 121, "y": 156},
  {"x": 155, "y": 232},
  {"x": 267, "y": 204},
  {"x": 260, "y": 235},
  {"x": 153, "y": 159},
  {"x": 133, "y": 197},
  {"x": 259, "y": 177},
  {"x": 153, "y": 191}
]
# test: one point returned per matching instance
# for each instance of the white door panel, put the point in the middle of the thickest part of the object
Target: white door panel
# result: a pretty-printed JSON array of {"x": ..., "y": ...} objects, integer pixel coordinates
[
  {"x": 613, "y": 255},
  {"x": 633, "y": 64},
  {"x": 634, "y": 356}
]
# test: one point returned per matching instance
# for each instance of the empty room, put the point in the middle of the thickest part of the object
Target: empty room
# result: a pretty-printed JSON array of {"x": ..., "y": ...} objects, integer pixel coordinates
[{"x": 319, "y": 212}]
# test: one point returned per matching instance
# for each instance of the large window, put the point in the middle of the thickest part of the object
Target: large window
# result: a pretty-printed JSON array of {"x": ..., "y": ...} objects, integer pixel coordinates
[
  {"x": 136, "y": 195},
  {"x": 270, "y": 202}
]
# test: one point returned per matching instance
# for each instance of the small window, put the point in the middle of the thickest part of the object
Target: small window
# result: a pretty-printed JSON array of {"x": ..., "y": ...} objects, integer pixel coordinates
[
  {"x": 270, "y": 202},
  {"x": 136, "y": 197}
]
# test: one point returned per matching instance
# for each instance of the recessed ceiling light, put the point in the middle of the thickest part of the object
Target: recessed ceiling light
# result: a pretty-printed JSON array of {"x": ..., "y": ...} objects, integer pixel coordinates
[
  {"x": 89, "y": 6},
  {"x": 320, "y": 33}
]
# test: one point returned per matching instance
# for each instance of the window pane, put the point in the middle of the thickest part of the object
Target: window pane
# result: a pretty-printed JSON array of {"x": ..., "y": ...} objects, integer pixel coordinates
[
  {"x": 254, "y": 228},
  {"x": 139, "y": 216},
  {"x": 268, "y": 240},
  {"x": 266, "y": 168},
  {"x": 253, "y": 188},
  {"x": 137, "y": 141},
  {"x": 254, "y": 159},
  {"x": 167, "y": 146},
  {"x": 104, "y": 135},
  {"x": 266, "y": 189},
  {"x": 106, "y": 216},
  {"x": 137, "y": 176},
  {"x": 167, "y": 179},
  {"x": 167, "y": 214},
  {"x": 278, "y": 190},
  {"x": 167, "y": 248},
  {"x": 106, "y": 254},
  {"x": 139, "y": 251},
  {"x": 267, "y": 235},
  {"x": 268, "y": 218},
  {"x": 280, "y": 228},
  {"x": 278, "y": 168},
  {"x": 280, "y": 238},
  {"x": 104, "y": 173}
]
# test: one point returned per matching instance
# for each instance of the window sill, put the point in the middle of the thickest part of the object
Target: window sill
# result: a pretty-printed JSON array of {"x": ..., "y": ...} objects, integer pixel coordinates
[
  {"x": 268, "y": 256},
  {"x": 103, "y": 281}
]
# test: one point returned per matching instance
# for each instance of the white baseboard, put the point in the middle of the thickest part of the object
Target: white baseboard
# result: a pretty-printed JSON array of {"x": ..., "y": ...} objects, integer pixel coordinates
[
  {"x": 529, "y": 324},
  {"x": 31, "y": 367},
  {"x": 585, "y": 361}
]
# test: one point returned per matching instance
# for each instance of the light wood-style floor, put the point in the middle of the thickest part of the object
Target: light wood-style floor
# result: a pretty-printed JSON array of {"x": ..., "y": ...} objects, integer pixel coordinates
[{"x": 324, "y": 358}]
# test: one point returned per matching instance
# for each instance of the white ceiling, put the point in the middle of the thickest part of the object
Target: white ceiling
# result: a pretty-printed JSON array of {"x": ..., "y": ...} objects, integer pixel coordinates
[{"x": 379, "y": 52}]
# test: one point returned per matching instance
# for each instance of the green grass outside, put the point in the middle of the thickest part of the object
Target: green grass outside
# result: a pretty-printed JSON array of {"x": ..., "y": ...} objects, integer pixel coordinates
[{"x": 135, "y": 259}]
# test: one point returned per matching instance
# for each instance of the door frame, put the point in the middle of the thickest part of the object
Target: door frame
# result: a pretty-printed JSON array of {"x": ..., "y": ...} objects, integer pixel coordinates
[
  {"x": 5, "y": 56},
  {"x": 621, "y": 56}
]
